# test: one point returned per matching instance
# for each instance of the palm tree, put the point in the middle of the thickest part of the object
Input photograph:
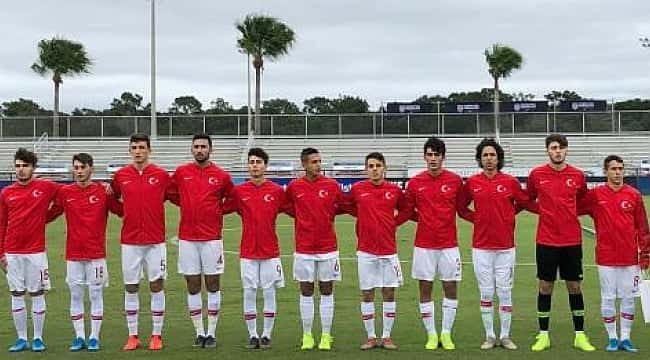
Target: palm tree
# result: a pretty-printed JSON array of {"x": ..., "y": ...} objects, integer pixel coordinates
[
  {"x": 502, "y": 60},
  {"x": 263, "y": 36},
  {"x": 60, "y": 57}
]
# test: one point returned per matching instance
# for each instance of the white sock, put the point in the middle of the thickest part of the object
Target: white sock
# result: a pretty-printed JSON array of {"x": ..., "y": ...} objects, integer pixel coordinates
[
  {"x": 38, "y": 315},
  {"x": 326, "y": 313},
  {"x": 270, "y": 308},
  {"x": 389, "y": 308},
  {"x": 505, "y": 311},
  {"x": 132, "y": 306},
  {"x": 368, "y": 318},
  {"x": 195, "y": 307},
  {"x": 627, "y": 317},
  {"x": 487, "y": 315},
  {"x": 77, "y": 310},
  {"x": 96, "y": 310},
  {"x": 250, "y": 311},
  {"x": 157, "y": 311},
  {"x": 307, "y": 313},
  {"x": 19, "y": 312},
  {"x": 214, "y": 307},
  {"x": 448, "y": 314},
  {"x": 427, "y": 314}
]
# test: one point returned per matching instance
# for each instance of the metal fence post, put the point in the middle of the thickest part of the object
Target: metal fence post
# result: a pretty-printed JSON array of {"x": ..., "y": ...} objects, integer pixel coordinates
[
  {"x": 101, "y": 127},
  {"x": 478, "y": 126},
  {"x": 442, "y": 126},
  {"x": 619, "y": 123},
  {"x": 1, "y": 126},
  {"x": 512, "y": 115},
  {"x": 583, "y": 123},
  {"x": 34, "y": 126},
  {"x": 548, "y": 120},
  {"x": 238, "y": 126},
  {"x": 171, "y": 126},
  {"x": 340, "y": 126},
  {"x": 374, "y": 125},
  {"x": 204, "y": 124},
  {"x": 271, "y": 125},
  {"x": 68, "y": 126},
  {"x": 408, "y": 125},
  {"x": 135, "y": 124},
  {"x": 306, "y": 133}
]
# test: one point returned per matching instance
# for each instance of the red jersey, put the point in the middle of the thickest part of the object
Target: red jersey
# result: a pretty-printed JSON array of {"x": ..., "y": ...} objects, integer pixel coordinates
[
  {"x": 557, "y": 194},
  {"x": 621, "y": 225},
  {"x": 314, "y": 206},
  {"x": 436, "y": 200},
  {"x": 258, "y": 207},
  {"x": 200, "y": 191},
  {"x": 143, "y": 197},
  {"x": 86, "y": 212},
  {"x": 374, "y": 206},
  {"x": 23, "y": 213},
  {"x": 494, "y": 209}
]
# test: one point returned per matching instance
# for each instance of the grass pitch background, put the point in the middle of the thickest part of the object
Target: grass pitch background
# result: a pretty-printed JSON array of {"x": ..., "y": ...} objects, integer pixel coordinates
[{"x": 408, "y": 332}]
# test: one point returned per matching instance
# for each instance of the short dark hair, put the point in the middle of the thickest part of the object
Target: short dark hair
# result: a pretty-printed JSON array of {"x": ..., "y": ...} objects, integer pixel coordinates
[
  {"x": 26, "y": 156},
  {"x": 377, "y": 156},
  {"x": 611, "y": 158},
  {"x": 436, "y": 145},
  {"x": 203, "y": 136},
  {"x": 559, "y": 138},
  {"x": 260, "y": 153},
  {"x": 304, "y": 154},
  {"x": 83, "y": 158},
  {"x": 139, "y": 137},
  {"x": 501, "y": 156}
]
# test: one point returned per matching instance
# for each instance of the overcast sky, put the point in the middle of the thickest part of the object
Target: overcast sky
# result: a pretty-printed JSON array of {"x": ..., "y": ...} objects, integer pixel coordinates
[{"x": 379, "y": 50}]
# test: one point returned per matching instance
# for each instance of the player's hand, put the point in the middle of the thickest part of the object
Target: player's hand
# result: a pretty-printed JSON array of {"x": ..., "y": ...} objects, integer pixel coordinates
[
  {"x": 108, "y": 189},
  {"x": 644, "y": 261},
  {"x": 3, "y": 263}
]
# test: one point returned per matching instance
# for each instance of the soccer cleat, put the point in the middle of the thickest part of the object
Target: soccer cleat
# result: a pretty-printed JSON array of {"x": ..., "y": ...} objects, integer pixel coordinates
[
  {"x": 199, "y": 341},
  {"x": 132, "y": 343},
  {"x": 19, "y": 345},
  {"x": 489, "y": 343},
  {"x": 626, "y": 345},
  {"x": 508, "y": 344},
  {"x": 612, "y": 345},
  {"x": 370, "y": 343},
  {"x": 581, "y": 342},
  {"x": 445, "y": 341},
  {"x": 253, "y": 343},
  {"x": 210, "y": 342},
  {"x": 155, "y": 343},
  {"x": 307, "y": 342},
  {"x": 93, "y": 345},
  {"x": 388, "y": 344},
  {"x": 265, "y": 343},
  {"x": 432, "y": 342},
  {"x": 326, "y": 341},
  {"x": 542, "y": 342},
  {"x": 78, "y": 344},
  {"x": 38, "y": 345}
]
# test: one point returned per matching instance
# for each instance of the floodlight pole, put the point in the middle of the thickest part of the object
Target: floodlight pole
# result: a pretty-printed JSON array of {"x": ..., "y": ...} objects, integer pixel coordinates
[
  {"x": 154, "y": 123},
  {"x": 248, "y": 82}
]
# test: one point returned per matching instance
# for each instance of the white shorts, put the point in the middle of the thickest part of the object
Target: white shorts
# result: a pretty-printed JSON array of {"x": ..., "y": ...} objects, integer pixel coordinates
[
  {"x": 494, "y": 268},
  {"x": 200, "y": 257},
  {"x": 261, "y": 274},
  {"x": 28, "y": 272},
  {"x": 92, "y": 273},
  {"x": 378, "y": 271},
  {"x": 619, "y": 281},
  {"x": 136, "y": 258},
  {"x": 312, "y": 267},
  {"x": 445, "y": 263}
]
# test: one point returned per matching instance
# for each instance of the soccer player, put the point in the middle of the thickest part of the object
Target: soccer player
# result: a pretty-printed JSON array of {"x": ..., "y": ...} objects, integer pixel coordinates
[
  {"x": 494, "y": 195},
  {"x": 622, "y": 247},
  {"x": 258, "y": 202},
  {"x": 314, "y": 200},
  {"x": 199, "y": 188},
  {"x": 86, "y": 206},
  {"x": 555, "y": 189},
  {"x": 435, "y": 195},
  {"x": 142, "y": 186},
  {"x": 374, "y": 202},
  {"x": 23, "y": 211}
]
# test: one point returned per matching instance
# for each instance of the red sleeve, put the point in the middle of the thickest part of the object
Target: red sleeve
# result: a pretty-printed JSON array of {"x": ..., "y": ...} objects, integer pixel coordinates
[
  {"x": 3, "y": 224},
  {"x": 289, "y": 207},
  {"x": 284, "y": 201},
  {"x": 172, "y": 194},
  {"x": 531, "y": 190},
  {"x": 586, "y": 203},
  {"x": 230, "y": 204},
  {"x": 402, "y": 208},
  {"x": 348, "y": 204},
  {"x": 341, "y": 205},
  {"x": 115, "y": 185},
  {"x": 464, "y": 199},
  {"x": 115, "y": 206},
  {"x": 228, "y": 185},
  {"x": 56, "y": 209},
  {"x": 582, "y": 190},
  {"x": 643, "y": 234},
  {"x": 406, "y": 211}
]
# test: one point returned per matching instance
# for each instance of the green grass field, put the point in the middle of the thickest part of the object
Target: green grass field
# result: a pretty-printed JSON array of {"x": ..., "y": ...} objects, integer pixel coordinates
[{"x": 408, "y": 332}]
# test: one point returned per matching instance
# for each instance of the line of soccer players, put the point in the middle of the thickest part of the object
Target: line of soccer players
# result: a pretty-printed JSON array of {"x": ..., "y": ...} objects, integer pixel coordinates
[{"x": 205, "y": 192}]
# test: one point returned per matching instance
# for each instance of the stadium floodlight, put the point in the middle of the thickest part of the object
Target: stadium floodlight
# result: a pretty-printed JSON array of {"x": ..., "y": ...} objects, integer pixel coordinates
[
  {"x": 645, "y": 42},
  {"x": 154, "y": 124}
]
